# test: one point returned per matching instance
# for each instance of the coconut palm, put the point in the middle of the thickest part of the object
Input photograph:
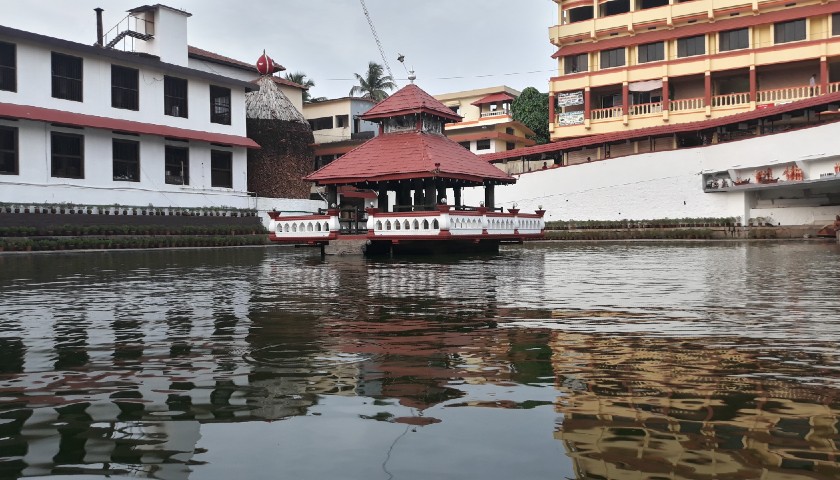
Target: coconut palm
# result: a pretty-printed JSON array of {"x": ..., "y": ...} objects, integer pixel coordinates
[
  {"x": 373, "y": 84},
  {"x": 300, "y": 79}
]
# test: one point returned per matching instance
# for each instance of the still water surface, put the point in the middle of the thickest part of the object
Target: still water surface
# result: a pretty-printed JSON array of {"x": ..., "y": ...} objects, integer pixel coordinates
[{"x": 583, "y": 361}]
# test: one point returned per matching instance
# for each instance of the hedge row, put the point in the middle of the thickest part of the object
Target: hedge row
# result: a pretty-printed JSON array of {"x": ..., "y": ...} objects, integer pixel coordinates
[
  {"x": 85, "y": 230},
  {"x": 681, "y": 234},
  {"x": 99, "y": 243}
]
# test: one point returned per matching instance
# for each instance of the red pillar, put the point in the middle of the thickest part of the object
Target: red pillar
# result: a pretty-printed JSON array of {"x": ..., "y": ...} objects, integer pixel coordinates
[
  {"x": 625, "y": 99},
  {"x": 823, "y": 76},
  {"x": 707, "y": 98},
  {"x": 666, "y": 100},
  {"x": 552, "y": 99},
  {"x": 753, "y": 85},
  {"x": 587, "y": 103}
]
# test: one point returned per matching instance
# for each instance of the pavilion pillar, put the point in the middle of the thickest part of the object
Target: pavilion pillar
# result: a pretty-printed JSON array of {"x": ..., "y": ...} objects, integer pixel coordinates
[
  {"x": 332, "y": 196},
  {"x": 418, "y": 195},
  {"x": 490, "y": 196},
  {"x": 403, "y": 196},
  {"x": 431, "y": 193},
  {"x": 382, "y": 200},
  {"x": 441, "y": 193},
  {"x": 456, "y": 191}
]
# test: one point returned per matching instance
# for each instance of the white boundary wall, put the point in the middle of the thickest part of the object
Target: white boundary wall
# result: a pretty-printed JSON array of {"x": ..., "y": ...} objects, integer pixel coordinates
[{"x": 665, "y": 184}]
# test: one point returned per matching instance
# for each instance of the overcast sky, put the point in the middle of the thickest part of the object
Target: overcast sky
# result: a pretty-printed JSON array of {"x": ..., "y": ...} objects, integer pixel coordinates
[{"x": 453, "y": 45}]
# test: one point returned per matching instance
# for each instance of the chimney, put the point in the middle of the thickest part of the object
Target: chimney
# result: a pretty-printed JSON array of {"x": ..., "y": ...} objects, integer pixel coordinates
[{"x": 99, "y": 39}]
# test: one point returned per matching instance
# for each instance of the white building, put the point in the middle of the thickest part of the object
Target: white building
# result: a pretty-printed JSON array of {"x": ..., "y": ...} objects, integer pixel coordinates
[
  {"x": 95, "y": 125},
  {"x": 337, "y": 127}
]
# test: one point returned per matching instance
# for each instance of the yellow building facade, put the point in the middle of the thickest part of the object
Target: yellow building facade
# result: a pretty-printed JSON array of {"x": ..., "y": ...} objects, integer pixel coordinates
[{"x": 630, "y": 64}]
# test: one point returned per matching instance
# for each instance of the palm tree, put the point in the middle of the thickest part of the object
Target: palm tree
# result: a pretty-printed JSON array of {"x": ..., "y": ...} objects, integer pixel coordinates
[
  {"x": 300, "y": 79},
  {"x": 373, "y": 84}
]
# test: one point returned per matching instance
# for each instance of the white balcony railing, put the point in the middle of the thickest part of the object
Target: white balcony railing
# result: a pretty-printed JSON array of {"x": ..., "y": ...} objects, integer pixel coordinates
[
  {"x": 646, "y": 108},
  {"x": 789, "y": 94},
  {"x": 606, "y": 113},
  {"x": 496, "y": 113},
  {"x": 731, "y": 99},
  {"x": 686, "y": 104}
]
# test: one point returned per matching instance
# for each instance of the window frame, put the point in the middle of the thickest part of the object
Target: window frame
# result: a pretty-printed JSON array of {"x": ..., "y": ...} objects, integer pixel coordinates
[
  {"x": 730, "y": 48},
  {"x": 171, "y": 98},
  {"x": 14, "y": 152},
  {"x": 608, "y": 54},
  {"x": 481, "y": 145},
  {"x": 184, "y": 165},
  {"x": 62, "y": 158},
  {"x": 8, "y": 71},
  {"x": 216, "y": 170},
  {"x": 131, "y": 162},
  {"x": 220, "y": 112},
  {"x": 793, "y": 30},
  {"x": 835, "y": 24},
  {"x": 683, "y": 46},
  {"x": 646, "y": 48},
  {"x": 131, "y": 89},
  {"x": 574, "y": 61},
  {"x": 65, "y": 79}
]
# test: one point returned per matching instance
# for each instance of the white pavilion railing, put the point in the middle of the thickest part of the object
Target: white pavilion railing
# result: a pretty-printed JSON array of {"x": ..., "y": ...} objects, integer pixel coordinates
[{"x": 443, "y": 223}]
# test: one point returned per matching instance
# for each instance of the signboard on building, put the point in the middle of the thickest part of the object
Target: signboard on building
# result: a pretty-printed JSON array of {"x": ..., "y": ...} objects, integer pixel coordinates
[
  {"x": 570, "y": 118},
  {"x": 567, "y": 99}
]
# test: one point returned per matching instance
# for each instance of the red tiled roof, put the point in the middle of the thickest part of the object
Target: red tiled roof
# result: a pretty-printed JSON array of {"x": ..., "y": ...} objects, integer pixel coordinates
[
  {"x": 202, "y": 54},
  {"x": 410, "y": 99},
  {"x": 408, "y": 155},
  {"x": 27, "y": 112},
  {"x": 662, "y": 129},
  {"x": 283, "y": 81},
  {"x": 494, "y": 98}
]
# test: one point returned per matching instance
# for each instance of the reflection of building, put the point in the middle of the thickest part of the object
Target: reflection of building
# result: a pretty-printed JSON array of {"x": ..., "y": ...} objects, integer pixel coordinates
[
  {"x": 487, "y": 125},
  {"x": 653, "y": 409}
]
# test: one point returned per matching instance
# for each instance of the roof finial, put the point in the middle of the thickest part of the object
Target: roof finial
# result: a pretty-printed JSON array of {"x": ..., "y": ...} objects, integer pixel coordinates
[{"x": 411, "y": 76}]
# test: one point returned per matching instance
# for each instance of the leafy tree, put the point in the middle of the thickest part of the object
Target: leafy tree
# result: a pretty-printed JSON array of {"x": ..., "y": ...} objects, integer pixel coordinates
[
  {"x": 531, "y": 108},
  {"x": 300, "y": 79},
  {"x": 373, "y": 84}
]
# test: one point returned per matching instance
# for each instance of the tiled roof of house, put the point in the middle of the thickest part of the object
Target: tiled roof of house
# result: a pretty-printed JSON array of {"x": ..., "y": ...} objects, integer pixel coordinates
[
  {"x": 494, "y": 98},
  {"x": 591, "y": 140},
  {"x": 202, "y": 54},
  {"x": 408, "y": 155},
  {"x": 410, "y": 99}
]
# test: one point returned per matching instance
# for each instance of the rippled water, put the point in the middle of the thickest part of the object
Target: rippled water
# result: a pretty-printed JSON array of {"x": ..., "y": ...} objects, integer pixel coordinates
[{"x": 625, "y": 360}]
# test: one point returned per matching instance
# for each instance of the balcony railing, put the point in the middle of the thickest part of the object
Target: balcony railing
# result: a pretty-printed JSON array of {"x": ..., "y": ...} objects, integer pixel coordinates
[
  {"x": 646, "y": 108},
  {"x": 834, "y": 87},
  {"x": 606, "y": 113},
  {"x": 497, "y": 113},
  {"x": 787, "y": 94},
  {"x": 731, "y": 99},
  {"x": 683, "y": 104}
]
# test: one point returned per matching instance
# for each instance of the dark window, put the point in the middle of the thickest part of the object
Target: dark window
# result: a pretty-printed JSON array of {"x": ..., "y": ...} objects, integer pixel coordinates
[
  {"x": 789, "y": 31},
  {"x": 177, "y": 165},
  {"x": 221, "y": 169},
  {"x": 126, "y": 160},
  {"x": 690, "y": 46},
  {"x": 580, "y": 14},
  {"x": 465, "y": 145},
  {"x": 8, "y": 151},
  {"x": 835, "y": 24},
  {"x": 66, "y": 77},
  {"x": 323, "y": 160},
  {"x": 645, "y": 4},
  {"x": 68, "y": 155},
  {"x": 482, "y": 145},
  {"x": 342, "y": 121},
  {"x": 612, "y": 58},
  {"x": 220, "y": 105},
  {"x": 734, "y": 39},
  {"x": 576, "y": 63},
  {"x": 175, "y": 97},
  {"x": 322, "y": 123},
  {"x": 125, "y": 91},
  {"x": 8, "y": 67},
  {"x": 510, "y": 131},
  {"x": 614, "y": 7},
  {"x": 510, "y": 145},
  {"x": 651, "y": 52}
]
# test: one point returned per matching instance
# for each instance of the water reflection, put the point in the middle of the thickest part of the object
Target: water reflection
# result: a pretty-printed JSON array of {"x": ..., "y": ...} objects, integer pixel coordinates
[{"x": 642, "y": 361}]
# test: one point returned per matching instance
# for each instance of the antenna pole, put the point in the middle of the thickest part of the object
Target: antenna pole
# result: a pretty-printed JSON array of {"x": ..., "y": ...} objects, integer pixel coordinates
[{"x": 376, "y": 37}]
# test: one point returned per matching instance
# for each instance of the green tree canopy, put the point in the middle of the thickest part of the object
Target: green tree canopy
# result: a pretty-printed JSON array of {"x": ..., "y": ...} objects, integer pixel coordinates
[
  {"x": 300, "y": 79},
  {"x": 531, "y": 108},
  {"x": 373, "y": 84}
]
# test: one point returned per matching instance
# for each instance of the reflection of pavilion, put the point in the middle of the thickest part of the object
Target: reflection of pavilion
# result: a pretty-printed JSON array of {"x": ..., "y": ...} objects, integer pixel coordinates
[{"x": 653, "y": 409}]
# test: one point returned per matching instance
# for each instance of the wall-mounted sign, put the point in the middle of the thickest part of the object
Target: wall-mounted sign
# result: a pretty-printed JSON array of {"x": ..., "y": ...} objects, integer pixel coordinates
[
  {"x": 570, "y": 118},
  {"x": 567, "y": 99}
]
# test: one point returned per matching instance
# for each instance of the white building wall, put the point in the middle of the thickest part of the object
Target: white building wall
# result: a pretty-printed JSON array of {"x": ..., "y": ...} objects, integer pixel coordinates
[
  {"x": 666, "y": 184},
  {"x": 170, "y": 36},
  {"x": 35, "y": 88}
]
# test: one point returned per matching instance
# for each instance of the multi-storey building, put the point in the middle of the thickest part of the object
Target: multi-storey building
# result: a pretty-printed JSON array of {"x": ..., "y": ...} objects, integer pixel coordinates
[
  {"x": 487, "y": 125},
  {"x": 337, "y": 127},
  {"x": 97, "y": 125},
  {"x": 631, "y": 64}
]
